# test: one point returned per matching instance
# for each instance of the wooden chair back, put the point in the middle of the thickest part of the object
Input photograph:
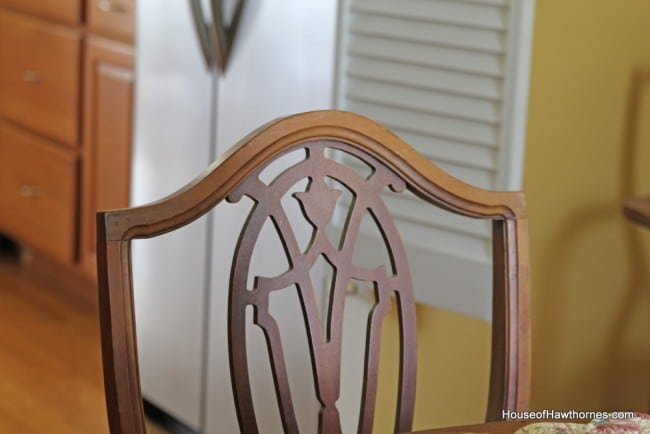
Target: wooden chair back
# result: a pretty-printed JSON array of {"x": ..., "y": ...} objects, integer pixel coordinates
[{"x": 394, "y": 165}]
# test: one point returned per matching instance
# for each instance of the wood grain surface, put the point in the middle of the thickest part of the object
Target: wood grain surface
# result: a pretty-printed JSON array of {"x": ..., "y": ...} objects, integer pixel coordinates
[
  {"x": 40, "y": 76},
  {"x": 50, "y": 362}
]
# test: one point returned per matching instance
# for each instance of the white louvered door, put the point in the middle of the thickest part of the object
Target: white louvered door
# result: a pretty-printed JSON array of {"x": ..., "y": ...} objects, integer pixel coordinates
[{"x": 450, "y": 77}]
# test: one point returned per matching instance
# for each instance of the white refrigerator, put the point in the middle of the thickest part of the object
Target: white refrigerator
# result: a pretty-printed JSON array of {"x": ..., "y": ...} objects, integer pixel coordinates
[{"x": 187, "y": 114}]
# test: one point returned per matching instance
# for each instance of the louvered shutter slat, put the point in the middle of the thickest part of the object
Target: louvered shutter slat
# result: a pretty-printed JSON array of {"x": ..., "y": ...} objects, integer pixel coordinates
[{"x": 442, "y": 75}]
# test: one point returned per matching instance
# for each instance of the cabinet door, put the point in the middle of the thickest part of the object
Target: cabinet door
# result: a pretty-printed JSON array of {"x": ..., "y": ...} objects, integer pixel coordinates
[
  {"x": 38, "y": 192},
  {"x": 63, "y": 11},
  {"x": 39, "y": 76},
  {"x": 111, "y": 18},
  {"x": 108, "y": 120}
]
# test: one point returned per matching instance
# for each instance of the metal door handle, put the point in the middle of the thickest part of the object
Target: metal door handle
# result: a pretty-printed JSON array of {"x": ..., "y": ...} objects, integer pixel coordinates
[
  {"x": 202, "y": 32},
  {"x": 215, "y": 40},
  {"x": 224, "y": 37}
]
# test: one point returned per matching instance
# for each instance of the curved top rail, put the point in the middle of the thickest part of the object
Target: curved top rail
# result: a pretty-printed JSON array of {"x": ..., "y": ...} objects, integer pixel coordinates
[{"x": 421, "y": 176}]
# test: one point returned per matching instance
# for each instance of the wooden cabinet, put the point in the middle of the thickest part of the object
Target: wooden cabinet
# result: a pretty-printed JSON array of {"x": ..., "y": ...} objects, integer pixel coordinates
[
  {"x": 38, "y": 192},
  {"x": 108, "y": 118},
  {"x": 66, "y": 97},
  {"x": 112, "y": 18},
  {"x": 40, "y": 76},
  {"x": 62, "y": 11}
]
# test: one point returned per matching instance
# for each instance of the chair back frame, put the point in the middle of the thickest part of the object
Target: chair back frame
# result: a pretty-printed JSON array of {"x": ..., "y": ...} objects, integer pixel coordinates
[{"x": 395, "y": 165}]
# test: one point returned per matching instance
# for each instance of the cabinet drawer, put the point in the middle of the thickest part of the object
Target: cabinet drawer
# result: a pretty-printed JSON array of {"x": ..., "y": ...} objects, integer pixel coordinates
[
  {"x": 38, "y": 192},
  {"x": 112, "y": 18},
  {"x": 64, "y": 11},
  {"x": 39, "y": 76}
]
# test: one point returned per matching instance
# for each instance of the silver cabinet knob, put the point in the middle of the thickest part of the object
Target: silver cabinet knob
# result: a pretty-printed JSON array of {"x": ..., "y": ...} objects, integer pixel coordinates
[
  {"x": 29, "y": 191},
  {"x": 111, "y": 6},
  {"x": 31, "y": 76}
]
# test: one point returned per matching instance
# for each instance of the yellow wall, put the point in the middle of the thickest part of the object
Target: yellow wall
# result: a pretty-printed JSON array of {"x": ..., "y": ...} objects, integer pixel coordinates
[
  {"x": 453, "y": 370},
  {"x": 590, "y": 297},
  {"x": 587, "y": 149}
]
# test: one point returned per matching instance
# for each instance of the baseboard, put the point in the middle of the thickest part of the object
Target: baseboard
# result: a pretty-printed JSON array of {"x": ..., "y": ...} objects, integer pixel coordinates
[
  {"x": 8, "y": 247},
  {"x": 164, "y": 420}
]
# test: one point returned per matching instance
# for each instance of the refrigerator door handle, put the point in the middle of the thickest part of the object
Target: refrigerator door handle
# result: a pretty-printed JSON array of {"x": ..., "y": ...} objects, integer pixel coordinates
[
  {"x": 203, "y": 32},
  {"x": 224, "y": 35}
]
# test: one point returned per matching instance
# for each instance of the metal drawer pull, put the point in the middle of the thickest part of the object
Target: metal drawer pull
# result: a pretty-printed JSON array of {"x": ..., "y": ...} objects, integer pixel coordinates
[
  {"x": 29, "y": 191},
  {"x": 110, "y": 6},
  {"x": 31, "y": 76}
]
